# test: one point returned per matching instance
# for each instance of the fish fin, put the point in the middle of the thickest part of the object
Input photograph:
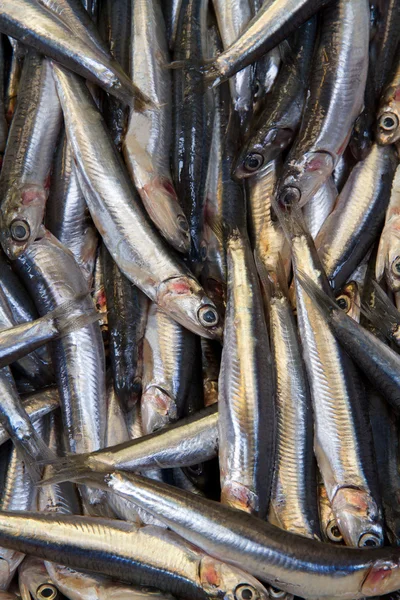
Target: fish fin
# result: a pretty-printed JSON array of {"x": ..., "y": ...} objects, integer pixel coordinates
[
  {"x": 263, "y": 274},
  {"x": 383, "y": 315},
  {"x": 67, "y": 468},
  {"x": 326, "y": 305},
  {"x": 291, "y": 219},
  {"x": 64, "y": 322},
  {"x": 34, "y": 453}
]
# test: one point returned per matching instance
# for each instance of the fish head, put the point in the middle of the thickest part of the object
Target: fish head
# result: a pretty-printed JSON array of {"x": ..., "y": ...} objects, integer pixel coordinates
[
  {"x": 382, "y": 578},
  {"x": 388, "y": 119},
  {"x": 184, "y": 300},
  {"x": 258, "y": 153},
  {"x": 388, "y": 257},
  {"x": 21, "y": 218},
  {"x": 358, "y": 518},
  {"x": 158, "y": 409},
  {"x": 302, "y": 178},
  {"x": 349, "y": 300},
  {"x": 35, "y": 582},
  {"x": 220, "y": 580}
]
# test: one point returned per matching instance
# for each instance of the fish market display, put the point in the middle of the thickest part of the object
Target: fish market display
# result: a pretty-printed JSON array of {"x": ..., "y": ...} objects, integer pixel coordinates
[{"x": 199, "y": 299}]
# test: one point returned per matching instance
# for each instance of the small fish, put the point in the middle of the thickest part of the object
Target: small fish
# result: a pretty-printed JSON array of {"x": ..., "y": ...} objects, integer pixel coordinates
[{"x": 388, "y": 258}]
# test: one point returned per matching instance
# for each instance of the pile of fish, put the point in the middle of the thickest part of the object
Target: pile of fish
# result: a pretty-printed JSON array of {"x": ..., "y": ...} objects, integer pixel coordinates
[{"x": 199, "y": 299}]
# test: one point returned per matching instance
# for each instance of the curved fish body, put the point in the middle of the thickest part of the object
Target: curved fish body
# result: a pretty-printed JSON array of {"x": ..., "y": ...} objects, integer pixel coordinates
[
  {"x": 26, "y": 20},
  {"x": 134, "y": 245},
  {"x": 357, "y": 218},
  {"x": 3, "y": 121},
  {"x": 293, "y": 563},
  {"x": 233, "y": 16},
  {"x": 342, "y": 434},
  {"x": 147, "y": 142},
  {"x": 388, "y": 257},
  {"x": 294, "y": 495},
  {"x": 335, "y": 100},
  {"x": 13, "y": 79},
  {"x": 277, "y": 125},
  {"x": 192, "y": 123},
  {"x": 24, "y": 181},
  {"x": 266, "y": 234},
  {"x": 67, "y": 216},
  {"x": 73, "y": 14},
  {"x": 319, "y": 207},
  {"x": 127, "y": 309},
  {"x": 168, "y": 359},
  {"x": 149, "y": 555},
  {"x": 246, "y": 419},
  {"x": 273, "y": 23}
]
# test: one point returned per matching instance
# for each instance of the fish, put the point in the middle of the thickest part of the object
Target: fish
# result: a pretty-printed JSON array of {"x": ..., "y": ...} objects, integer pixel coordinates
[
  {"x": 275, "y": 21},
  {"x": 147, "y": 142},
  {"x": 383, "y": 315},
  {"x": 388, "y": 116},
  {"x": 171, "y": 10},
  {"x": 35, "y": 582},
  {"x": 275, "y": 128},
  {"x": 14, "y": 76},
  {"x": 265, "y": 74},
  {"x": 24, "y": 179},
  {"x": 3, "y": 120},
  {"x": 140, "y": 254},
  {"x": 388, "y": 257},
  {"x": 319, "y": 207},
  {"x": 26, "y": 20},
  {"x": 357, "y": 217},
  {"x": 340, "y": 63},
  {"x": 349, "y": 300},
  {"x": 246, "y": 411}
]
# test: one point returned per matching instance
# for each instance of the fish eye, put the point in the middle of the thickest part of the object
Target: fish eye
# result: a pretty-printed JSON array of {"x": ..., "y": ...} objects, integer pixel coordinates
[
  {"x": 208, "y": 316},
  {"x": 245, "y": 591},
  {"x": 275, "y": 592},
  {"x": 333, "y": 532},
  {"x": 289, "y": 196},
  {"x": 195, "y": 469},
  {"x": 203, "y": 250},
  {"x": 253, "y": 161},
  {"x": 46, "y": 591},
  {"x": 369, "y": 540},
  {"x": 396, "y": 266},
  {"x": 20, "y": 230},
  {"x": 182, "y": 223},
  {"x": 388, "y": 122},
  {"x": 257, "y": 88},
  {"x": 343, "y": 303}
]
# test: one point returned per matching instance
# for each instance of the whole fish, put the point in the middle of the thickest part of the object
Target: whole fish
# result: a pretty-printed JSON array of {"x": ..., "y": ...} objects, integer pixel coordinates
[
  {"x": 335, "y": 100},
  {"x": 24, "y": 180},
  {"x": 356, "y": 220},
  {"x": 293, "y": 563},
  {"x": 191, "y": 120},
  {"x": 277, "y": 125},
  {"x": 246, "y": 419},
  {"x": 127, "y": 309},
  {"x": 67, "y": 216},
  {"x": 233, "y": 16},
  {"x": 319, "y": 207},
  {"x": 294, "y": 494},
  {"x": 3, "y": 121},
  {"x": 388, "y": 257},
  {"x": 26, "y": 20},
  {"x": 168, "y": 359},
  {"x": 271, "y": 25},
  {"x": 147, "y": 142},
  {"x": 115, "y": 210},
  {"x": 342, "y": 434},
  {"x": 149, "y": 555}
]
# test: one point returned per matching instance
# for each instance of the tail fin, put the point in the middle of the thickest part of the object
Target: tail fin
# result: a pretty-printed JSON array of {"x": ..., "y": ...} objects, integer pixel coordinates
[
  {"x": 34, "y": 453},
  {"x": 65, "y": 323},
  {"x": 292, "y": 220},
  {"x": 383, "y": 315},
  {"x": 68, "y": 468},
  {"x": 326, "y": 305}
]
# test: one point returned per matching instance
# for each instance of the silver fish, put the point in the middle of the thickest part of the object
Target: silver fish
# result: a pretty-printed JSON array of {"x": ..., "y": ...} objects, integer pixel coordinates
[
  {"x": 14, "y": 76},
  {"x": 319, "y": 207},
  {"x": 388, "y": 257},
  {"x": 131, "y": 241},
  {"x": 3, "y": 121},
  {"x": 34, "y": 581},
  {"x": 146, "y": 145}
]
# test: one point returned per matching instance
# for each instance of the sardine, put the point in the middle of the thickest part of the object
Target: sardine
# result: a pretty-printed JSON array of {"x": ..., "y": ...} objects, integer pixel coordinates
[
  {"x": 115, "y": 210},
  {"x": 335, "y": 99},
  {"x": 24, "y": 180},
  {"x": 147, "y": 142},
  {"x": 356, "y": 220}
]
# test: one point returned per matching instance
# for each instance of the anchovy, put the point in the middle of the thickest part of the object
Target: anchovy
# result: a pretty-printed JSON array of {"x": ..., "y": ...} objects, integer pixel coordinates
[
  {"x": 14, "y": 76},
  {"x": 24, "y": 180},
  {"x": 34, "y": 580},
  {"x": 131, "y": 241},
  {"x": 335, "y": 100},
  {"x": 319, "y": 207},
  {"x": 357, "y": 218}
]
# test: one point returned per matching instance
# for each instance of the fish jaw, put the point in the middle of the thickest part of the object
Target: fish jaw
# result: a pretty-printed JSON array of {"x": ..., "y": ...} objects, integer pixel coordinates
[
  {"x": 303, "y": 178},
  {"x": 358, "y": 517}
]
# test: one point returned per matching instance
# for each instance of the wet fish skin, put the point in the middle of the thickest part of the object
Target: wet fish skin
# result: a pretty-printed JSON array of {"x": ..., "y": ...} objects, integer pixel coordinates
[
  {"x": 246, "y": 419},
  {"x": 277, "y": 125},
  {"x": 127, "y": 309},
  {"x": 274, "y": 22},
  {"x": 146, "y": 145},
  {"x": 388, "y": 114},
  {"x": 138, "y": 251},
  {"x": 385, "y": 41},
  {"x": 327, "y": 122},
  {"x": 356, "y": 220},
  {"x": 14, "y": 76},
  {"x": 24, "y": 179},
  {"x": 171, "y": 9},
  {"x": 259, "y": 547},
  {"x": 141, "y": 555},
  {"x": 67, "y": 216},
  {"x": 319, "y": 207},
  {"x": 37, "y": 27},
  {"x": 3, "y": 121},
  {"x": 388, "y": 257},
  {"x": 265, "y": 75}
]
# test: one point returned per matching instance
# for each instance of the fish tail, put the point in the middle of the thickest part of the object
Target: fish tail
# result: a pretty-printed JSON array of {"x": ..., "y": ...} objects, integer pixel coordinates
[
  {"x": 383, "y": 314},
  {"x": 326, "y": 305},
  {"x": 292, "y": 220},
  {"x": 34, "y": 453},
  {"x": 73, "y": 467},
  {"x": 65, "y": 323}
]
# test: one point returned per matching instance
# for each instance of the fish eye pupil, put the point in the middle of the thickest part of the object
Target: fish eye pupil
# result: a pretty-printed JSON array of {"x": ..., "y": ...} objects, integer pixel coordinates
[
  {"x": 46, "y": 591},
  {"x": 19, "y": 230},
  {"x": 245, "y": 592},
  {"x": 209, "y": 316},
  {"x": 388, "y": 122},
  {"x": 290, "y": 196},
  {"x": 183, "y": 224},
  {"x": 253, "y": 161},
  {"x": 335, "y": 532},
  {"x": 342, "y": 303}
]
